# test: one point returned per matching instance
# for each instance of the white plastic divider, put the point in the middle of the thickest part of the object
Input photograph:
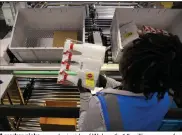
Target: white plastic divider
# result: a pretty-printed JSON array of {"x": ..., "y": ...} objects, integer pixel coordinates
[
  {"x": 167, "y": 19},
  {"x": 33, "y": 26}
]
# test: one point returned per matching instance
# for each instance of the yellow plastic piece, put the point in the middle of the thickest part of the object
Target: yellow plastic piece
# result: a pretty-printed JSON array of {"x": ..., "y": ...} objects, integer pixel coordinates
[
  {"x": 167, "y": 4},
  {"x": 90, "y": 79},
  {"x": 128, "y": 34}
]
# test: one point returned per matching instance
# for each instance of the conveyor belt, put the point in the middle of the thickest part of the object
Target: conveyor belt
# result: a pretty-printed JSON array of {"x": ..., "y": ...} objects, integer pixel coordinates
[
  {"x": 45, "y": 89},
  {"x": 30, "y": 124}
]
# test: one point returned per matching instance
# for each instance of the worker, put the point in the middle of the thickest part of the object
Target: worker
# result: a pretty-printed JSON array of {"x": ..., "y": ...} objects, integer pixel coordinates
[{"x": 150, "y": 69}]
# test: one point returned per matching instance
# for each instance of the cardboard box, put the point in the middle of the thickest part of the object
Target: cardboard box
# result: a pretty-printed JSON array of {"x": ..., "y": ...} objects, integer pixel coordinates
[
  {"x": 61, "y": 36},
  {"x": 58, "y": 124}
]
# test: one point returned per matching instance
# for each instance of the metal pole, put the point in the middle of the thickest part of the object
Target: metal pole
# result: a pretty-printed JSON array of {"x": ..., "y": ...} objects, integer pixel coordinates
[
  {"x": 61, "y": 112},
  {"x": 39, "y": 111}
]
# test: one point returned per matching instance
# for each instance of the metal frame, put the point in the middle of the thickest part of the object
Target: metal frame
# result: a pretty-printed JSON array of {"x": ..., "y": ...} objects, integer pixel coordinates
[
  {"x": 39, "y": 111},
  {"x": 49, "y": 66},
  {"x": 62, "y": 112}
]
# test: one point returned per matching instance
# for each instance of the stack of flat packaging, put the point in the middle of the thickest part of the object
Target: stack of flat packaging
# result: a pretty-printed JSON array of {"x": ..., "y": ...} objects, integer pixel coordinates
[
  {"x": 58, "y": 124},
  {"x": 61, "y": 36}
]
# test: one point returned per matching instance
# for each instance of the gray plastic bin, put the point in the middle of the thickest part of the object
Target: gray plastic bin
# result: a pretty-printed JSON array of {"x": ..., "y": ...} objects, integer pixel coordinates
[
  {"x": 33, "y": 26},
  {"x": 167, "y": 19}
]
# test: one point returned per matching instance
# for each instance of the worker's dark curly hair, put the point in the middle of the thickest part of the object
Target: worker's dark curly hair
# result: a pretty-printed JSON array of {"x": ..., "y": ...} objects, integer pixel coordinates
[{"x": 153, "y": 63}]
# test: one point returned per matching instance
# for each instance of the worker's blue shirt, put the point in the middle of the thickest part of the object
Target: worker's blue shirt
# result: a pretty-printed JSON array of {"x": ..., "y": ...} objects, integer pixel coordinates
[{"x": 139, "y": 114}]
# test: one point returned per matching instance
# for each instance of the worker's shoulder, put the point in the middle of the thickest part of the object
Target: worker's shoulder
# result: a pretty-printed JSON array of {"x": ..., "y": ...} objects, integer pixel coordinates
[{"x": 94, "y": 101}]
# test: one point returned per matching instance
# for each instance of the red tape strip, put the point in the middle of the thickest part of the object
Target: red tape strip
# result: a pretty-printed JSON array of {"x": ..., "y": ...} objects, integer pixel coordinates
[
  {"x": 63, "y": 72},
  {"x": 67, "y": 66},
  {"x": 67, "y": 52},
  {"x": 70, "y": 56},
  {"x": 71, "y": 46},
  {"x": 64, "y": 78}
]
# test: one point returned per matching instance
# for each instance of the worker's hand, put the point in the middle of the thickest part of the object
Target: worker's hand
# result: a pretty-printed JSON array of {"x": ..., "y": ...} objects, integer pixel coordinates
[
  {"x": 1, "y": 81},
  {"x": 102, "y": 81},
  {"x": 80, "y": 88}
]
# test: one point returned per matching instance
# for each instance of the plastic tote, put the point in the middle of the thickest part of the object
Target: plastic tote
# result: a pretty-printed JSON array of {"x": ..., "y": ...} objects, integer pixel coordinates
[{"x": 166, "y": 19}]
